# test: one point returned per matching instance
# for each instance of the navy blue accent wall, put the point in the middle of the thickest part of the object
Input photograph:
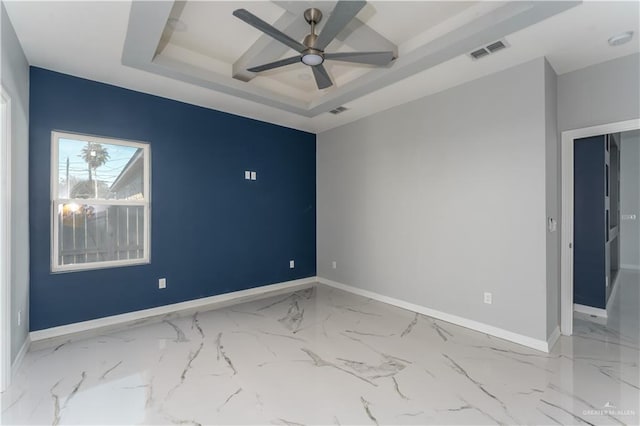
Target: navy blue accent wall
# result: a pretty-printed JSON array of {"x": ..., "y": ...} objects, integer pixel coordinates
[
  {"x": 589, "y": 222},
  {"x": 212, "y": 231}
]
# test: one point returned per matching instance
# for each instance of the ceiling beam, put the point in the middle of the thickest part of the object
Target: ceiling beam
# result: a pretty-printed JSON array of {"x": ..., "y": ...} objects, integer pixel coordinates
[{"x": 141, "y": 42}]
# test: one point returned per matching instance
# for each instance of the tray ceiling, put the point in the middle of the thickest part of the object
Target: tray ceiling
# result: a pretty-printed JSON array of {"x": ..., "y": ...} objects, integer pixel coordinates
[{"x": 203, "y": 43}]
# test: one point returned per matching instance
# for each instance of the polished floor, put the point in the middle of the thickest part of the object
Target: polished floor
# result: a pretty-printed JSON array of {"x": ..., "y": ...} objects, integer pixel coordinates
[{"x": 323, "y": 356}]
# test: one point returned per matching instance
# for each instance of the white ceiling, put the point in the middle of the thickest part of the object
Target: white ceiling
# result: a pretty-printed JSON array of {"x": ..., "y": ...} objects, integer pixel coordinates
[{"x": 87, "y": 39}]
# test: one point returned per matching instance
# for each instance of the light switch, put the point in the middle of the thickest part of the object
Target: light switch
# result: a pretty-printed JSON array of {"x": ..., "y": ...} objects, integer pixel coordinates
[
  {"x": 253, "y": 176},
  {"x": 247, "y": 174}
]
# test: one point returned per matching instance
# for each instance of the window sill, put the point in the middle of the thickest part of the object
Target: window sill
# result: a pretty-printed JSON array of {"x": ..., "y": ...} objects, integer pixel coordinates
[{"x": 81, "y": 267}]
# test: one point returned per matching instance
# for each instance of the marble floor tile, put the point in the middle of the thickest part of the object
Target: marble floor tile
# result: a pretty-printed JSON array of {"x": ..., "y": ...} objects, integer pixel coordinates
[{"x": 324, "y": 356}]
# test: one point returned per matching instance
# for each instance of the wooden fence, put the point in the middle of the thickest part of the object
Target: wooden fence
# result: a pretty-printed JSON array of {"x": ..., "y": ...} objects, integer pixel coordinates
[{"x": 111, "y": 233}]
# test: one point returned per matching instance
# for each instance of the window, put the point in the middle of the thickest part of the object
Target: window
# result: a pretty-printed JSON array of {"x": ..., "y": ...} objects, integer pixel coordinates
[{"x": 100, "y": 202}]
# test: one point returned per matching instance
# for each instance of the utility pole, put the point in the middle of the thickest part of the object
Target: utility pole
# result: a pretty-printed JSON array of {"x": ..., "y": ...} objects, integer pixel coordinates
[{"x": 68, "y": 183}]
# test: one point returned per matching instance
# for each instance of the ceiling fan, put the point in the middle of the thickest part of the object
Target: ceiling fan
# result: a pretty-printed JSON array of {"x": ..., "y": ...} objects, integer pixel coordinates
[{"x": 311, "y": 50}]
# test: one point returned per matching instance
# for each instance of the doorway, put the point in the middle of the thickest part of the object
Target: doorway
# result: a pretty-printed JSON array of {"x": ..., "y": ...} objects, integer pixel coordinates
[{"x": 567, "y": 237}]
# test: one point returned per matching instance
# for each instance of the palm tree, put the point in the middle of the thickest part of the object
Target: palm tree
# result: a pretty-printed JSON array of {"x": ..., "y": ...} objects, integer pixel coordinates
[{"x": 95, "y": 155}]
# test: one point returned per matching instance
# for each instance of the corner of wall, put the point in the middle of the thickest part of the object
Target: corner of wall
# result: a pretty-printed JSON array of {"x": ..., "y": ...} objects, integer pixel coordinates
[{"x": 553, "y": 197}]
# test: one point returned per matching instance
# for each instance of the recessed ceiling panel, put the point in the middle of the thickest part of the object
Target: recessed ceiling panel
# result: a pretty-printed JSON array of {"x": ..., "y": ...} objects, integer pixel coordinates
[
  {"x": 207, "y": 36},
  {"x": 208, "y": 27}
]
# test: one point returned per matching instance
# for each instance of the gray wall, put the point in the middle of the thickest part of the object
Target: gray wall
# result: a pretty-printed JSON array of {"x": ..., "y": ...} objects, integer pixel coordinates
[
  {"x": 630, "y": 199},
  {"x": 15, "y": 80},
  {"x": 600, "y": 94},
  {"x": 438, "y": 200},
  {"x": 553, "y": 201}
]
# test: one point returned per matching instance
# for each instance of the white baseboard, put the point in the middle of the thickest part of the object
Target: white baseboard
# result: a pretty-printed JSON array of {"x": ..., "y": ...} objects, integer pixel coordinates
[
  {"x": 632, "y": 267},
  {"x": 541, "y": 345},
  {"x": 590, "y": 310},
  {"x": 555, "y": 335},
  {"x": 15, "y": 366},
  {"x": 101, "y": 325}
]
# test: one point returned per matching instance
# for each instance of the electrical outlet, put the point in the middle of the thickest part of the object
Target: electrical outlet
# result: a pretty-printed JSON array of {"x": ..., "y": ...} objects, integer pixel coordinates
[
  {"x": 162, "y": 283},
  {"x": 292, "y": 264},
  {"x": 334, "y": 264},
  {"x": 488, "y": 298},
  {"x": 20, "y": 317}
]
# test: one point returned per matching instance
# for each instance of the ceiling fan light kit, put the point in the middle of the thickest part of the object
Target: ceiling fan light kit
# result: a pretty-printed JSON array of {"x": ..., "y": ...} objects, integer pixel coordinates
[
  {"x": 311, "y": 50},
  {"x": 312, "y": 59}
]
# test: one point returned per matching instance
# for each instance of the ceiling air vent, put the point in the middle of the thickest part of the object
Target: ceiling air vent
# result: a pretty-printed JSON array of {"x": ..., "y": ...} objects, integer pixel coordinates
[
  {"x": 338, "y": 110},
  {"x": 488, "y": 49},
  {"x": 494, "y": 47},
  {"x": 477, "y": 54}
]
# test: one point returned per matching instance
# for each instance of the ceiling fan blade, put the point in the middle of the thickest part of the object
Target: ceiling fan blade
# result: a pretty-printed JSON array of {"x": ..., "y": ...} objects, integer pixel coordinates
[
  {"x": 275, "y": 64},
  {"x": 268, "y": 29},
  {"x": 322, "y": 76},
  {"x": 342, "y": 14},
  {"x": 372, "y": 58}
]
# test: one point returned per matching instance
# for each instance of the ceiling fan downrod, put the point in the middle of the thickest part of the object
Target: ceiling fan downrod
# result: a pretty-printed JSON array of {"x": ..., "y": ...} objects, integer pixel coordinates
[{"x": 312, "y": 56}]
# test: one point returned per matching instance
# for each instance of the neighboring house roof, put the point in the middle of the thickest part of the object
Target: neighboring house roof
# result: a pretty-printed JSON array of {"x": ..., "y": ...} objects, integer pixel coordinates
[{"x": 129, "y": 172}]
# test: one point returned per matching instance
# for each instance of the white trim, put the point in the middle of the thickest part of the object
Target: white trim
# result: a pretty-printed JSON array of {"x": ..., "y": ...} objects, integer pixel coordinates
[
  {"x": 590, "y": 310},
  {"x": 91, "y": 266},
  {"x": 566, "y": 252},
  {"x": 101, "y": 202},
  {"x": 613, "y": 293},
  {"x": 541, "y": 345},
  {"x": 56, "y": 200},
  {"x": 5, "y": 243},
  {"x": 205, "y": 303},
  {"x": 20, "y": 356},
  {"x": 630, "y": 267},
  {"x": 551, "y": 341}
]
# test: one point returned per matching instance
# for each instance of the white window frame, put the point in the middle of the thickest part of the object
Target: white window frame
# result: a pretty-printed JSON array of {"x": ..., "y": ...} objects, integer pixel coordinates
[{"x": 56, "y": 201}]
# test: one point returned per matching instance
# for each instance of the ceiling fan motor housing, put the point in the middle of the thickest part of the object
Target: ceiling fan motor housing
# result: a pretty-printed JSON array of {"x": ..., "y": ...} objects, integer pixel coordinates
[{"x": 310, "y": 40}]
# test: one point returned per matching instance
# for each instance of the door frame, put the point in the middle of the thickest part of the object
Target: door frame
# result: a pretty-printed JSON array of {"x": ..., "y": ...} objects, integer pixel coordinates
[
  {"x": 5, "y": 240},
  {"x": 566, "y": 239}
]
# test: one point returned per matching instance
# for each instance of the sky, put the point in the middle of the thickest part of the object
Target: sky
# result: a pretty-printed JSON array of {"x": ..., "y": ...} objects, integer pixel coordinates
[{"x": 71, "y": 148}]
